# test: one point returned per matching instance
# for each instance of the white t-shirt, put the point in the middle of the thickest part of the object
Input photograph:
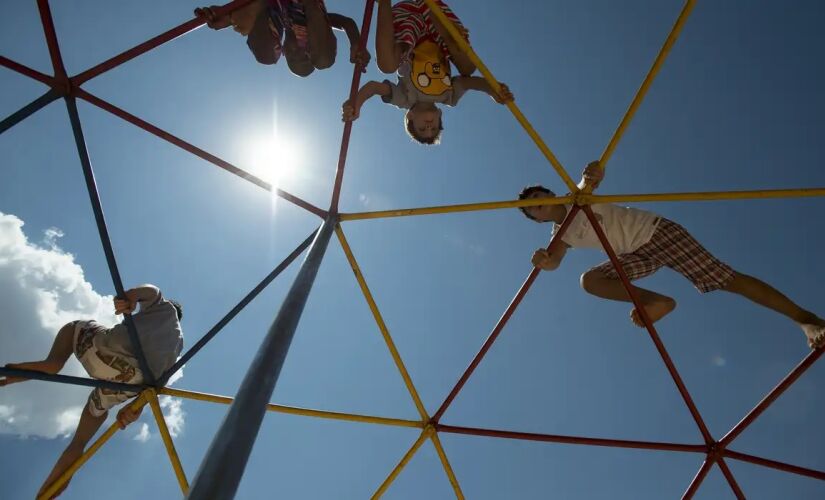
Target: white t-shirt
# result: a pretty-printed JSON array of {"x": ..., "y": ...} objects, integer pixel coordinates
[{"x": 626, "y": 228}]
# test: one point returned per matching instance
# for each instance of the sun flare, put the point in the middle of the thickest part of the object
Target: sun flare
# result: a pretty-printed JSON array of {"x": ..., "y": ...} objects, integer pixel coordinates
[{"x": 274, "y": 159}]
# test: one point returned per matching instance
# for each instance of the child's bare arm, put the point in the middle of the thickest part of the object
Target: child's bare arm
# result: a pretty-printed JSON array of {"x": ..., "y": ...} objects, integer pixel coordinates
[
  {"x": 349, "y": 26},
  {"x": 142, "y": 293},
  {"x": 480, "y": 84},
  {"x": 352, "y": 109},
  {"x": 592, "y": 176},
  {"x": 388, "y": 53},
  {"x": 547, "y": 261}
]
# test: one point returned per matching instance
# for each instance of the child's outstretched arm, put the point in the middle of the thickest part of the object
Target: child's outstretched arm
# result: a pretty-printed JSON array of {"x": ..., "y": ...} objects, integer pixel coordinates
[
  {"x": 358, "y": 57},
  {"x": 388, "y": 52},
  {"x": 480, "y": 84},
  {"x": 352, "y": 109},
  {"x": 547, "y": 261}
]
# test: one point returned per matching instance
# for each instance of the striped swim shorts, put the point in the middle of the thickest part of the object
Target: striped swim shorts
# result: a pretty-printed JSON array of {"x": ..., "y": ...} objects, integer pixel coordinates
[
  {"x": 672, "y": 246},
  {"x": 413, "y": 23}
]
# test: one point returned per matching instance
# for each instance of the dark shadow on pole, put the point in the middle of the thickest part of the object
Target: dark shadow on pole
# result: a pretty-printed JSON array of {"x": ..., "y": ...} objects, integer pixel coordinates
[
  {"x": 220, "y": 472},
  {"x": 94, "y": 196},
  {"x": 235, "y": 310},
  {"x": 68, "y": 379},
  {"x": 29, "y": 109}
]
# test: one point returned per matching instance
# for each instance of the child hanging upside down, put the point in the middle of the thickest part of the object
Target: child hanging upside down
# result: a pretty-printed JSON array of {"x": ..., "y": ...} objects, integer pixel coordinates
[
  {"x": 411, "y": 41},
  {"x": 300, "y": 29},
  {"x": 107, "y": 354},
  {"x": 644, "y": 242}
]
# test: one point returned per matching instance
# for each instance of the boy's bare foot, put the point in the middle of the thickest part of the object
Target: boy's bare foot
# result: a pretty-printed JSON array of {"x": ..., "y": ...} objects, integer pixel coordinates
[
  {"x": 37, "y": 366},
  {"x": 815, "y": 334},
  {"x": 655, "y": 311}
]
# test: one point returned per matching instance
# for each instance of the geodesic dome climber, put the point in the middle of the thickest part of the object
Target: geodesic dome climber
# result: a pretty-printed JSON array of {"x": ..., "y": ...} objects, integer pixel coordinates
[{"x": 223, "y": 465}]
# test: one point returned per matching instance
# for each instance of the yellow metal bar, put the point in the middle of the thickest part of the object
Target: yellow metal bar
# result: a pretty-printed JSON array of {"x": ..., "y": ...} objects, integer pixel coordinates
[
  {"x": 704, "y": 196},
  {"x": 403, "y": 463},
  {"x": 651, "y": 75},
  {"x": 292, "y": 410},
  {"x": 381, "y": 325},
  {"x": 587, "y": 199},
  {"x": 167, "y": 442},
  {"x": 447, "y": 468},
  {"x": 467, "y": 207},
  {"x": 68, "y": 473},
  {"x": 467, "y": 49}
]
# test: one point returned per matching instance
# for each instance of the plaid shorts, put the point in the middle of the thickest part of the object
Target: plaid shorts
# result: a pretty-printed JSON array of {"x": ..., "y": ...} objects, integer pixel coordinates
[
  {"x": 103, "y": 365},
  {"x": 672, "y": 246},
  {"x": 413, "y": 23}
]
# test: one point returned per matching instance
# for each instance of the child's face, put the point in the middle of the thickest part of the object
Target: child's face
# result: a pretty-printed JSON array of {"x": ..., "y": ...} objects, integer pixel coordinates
[
  {"x": 542, "y": 213},
  {"x": 243, "y": 19},
  {"x": 426, "y": 123}
]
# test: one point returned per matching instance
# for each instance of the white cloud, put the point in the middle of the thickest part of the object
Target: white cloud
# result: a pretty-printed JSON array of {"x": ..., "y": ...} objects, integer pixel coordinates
[
  {"x": 143, "y": 434},
  {"x": 43, "y": 289},
  {"x": 173, "y": 414}
]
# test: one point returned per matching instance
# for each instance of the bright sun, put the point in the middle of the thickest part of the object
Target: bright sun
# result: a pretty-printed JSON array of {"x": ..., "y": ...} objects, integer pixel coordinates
[{"x": 273, "y": 158}]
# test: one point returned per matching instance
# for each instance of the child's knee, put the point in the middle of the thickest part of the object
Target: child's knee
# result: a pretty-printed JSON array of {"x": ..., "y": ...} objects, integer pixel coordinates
[
  {"x": 591, "y": 280},
  {"x": 323, "y": 60}
]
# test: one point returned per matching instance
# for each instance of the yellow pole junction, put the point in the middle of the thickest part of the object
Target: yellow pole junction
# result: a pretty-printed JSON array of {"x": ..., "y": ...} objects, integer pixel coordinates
[
  {"x": 69, "y": 472},
  {"x": 292, "y": 410},
  {"x": 167, "y": 441},
  {"x": 446, "y": 464},
  {"x": 467, "y": 49},
  {"x": 427, "y": 432},
  {"x": 381, "y": 325},
  {"x": 651, "y": 75}
]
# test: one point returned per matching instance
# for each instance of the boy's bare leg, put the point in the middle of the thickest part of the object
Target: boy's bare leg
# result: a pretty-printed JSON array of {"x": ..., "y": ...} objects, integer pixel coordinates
[
  {"x": 387, "y": 52},
  {"x": 86, "y": 429},
  {"x": 767, "y": 296},
  {"x": 656, "y": 305},
  {"x": 321, "y": 38},
  {"x": 58, "y": 355},
  {"x": 462, "y": 61}
]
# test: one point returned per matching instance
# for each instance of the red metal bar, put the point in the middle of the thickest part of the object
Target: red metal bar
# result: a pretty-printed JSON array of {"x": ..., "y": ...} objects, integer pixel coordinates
[
  {"x": 697, "y": 480},
  {"x": 51, "y": 38},
  {"x": 773, "y": 464},
  {"x": 26, "y": 71},
  {"x": 504, "y": 318},
  {"x": 356, "y": 82},
  {"x": 631, "y": 291},
  {"x": 797, "y": 372},
  {"x": 196, "y": 151},
  {"x": 554, "y": 438},
  {"x": 740, "y": 495},
  {"x": 151, "y": 44}
]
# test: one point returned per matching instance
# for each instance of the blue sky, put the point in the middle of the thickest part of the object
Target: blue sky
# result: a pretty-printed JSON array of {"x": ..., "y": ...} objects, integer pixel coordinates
[{"x": 738, "y": 105}]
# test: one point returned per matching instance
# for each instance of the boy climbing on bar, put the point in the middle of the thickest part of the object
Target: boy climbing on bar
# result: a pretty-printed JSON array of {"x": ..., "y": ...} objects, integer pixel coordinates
[
  {"x": 411, "y": 41},
  {"x": 644, "y": 242},
  {"x": 107, "y": 354},
  {"x": 299, "y": 29}
]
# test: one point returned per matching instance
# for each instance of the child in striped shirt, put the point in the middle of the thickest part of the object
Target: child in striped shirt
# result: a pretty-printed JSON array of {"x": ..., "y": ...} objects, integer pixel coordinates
[{"x": 411, "y": 41}]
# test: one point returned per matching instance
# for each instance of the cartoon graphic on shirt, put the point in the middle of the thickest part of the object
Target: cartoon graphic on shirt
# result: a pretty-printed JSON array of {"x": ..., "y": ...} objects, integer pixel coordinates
[{"x": 430, "y": 72}]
